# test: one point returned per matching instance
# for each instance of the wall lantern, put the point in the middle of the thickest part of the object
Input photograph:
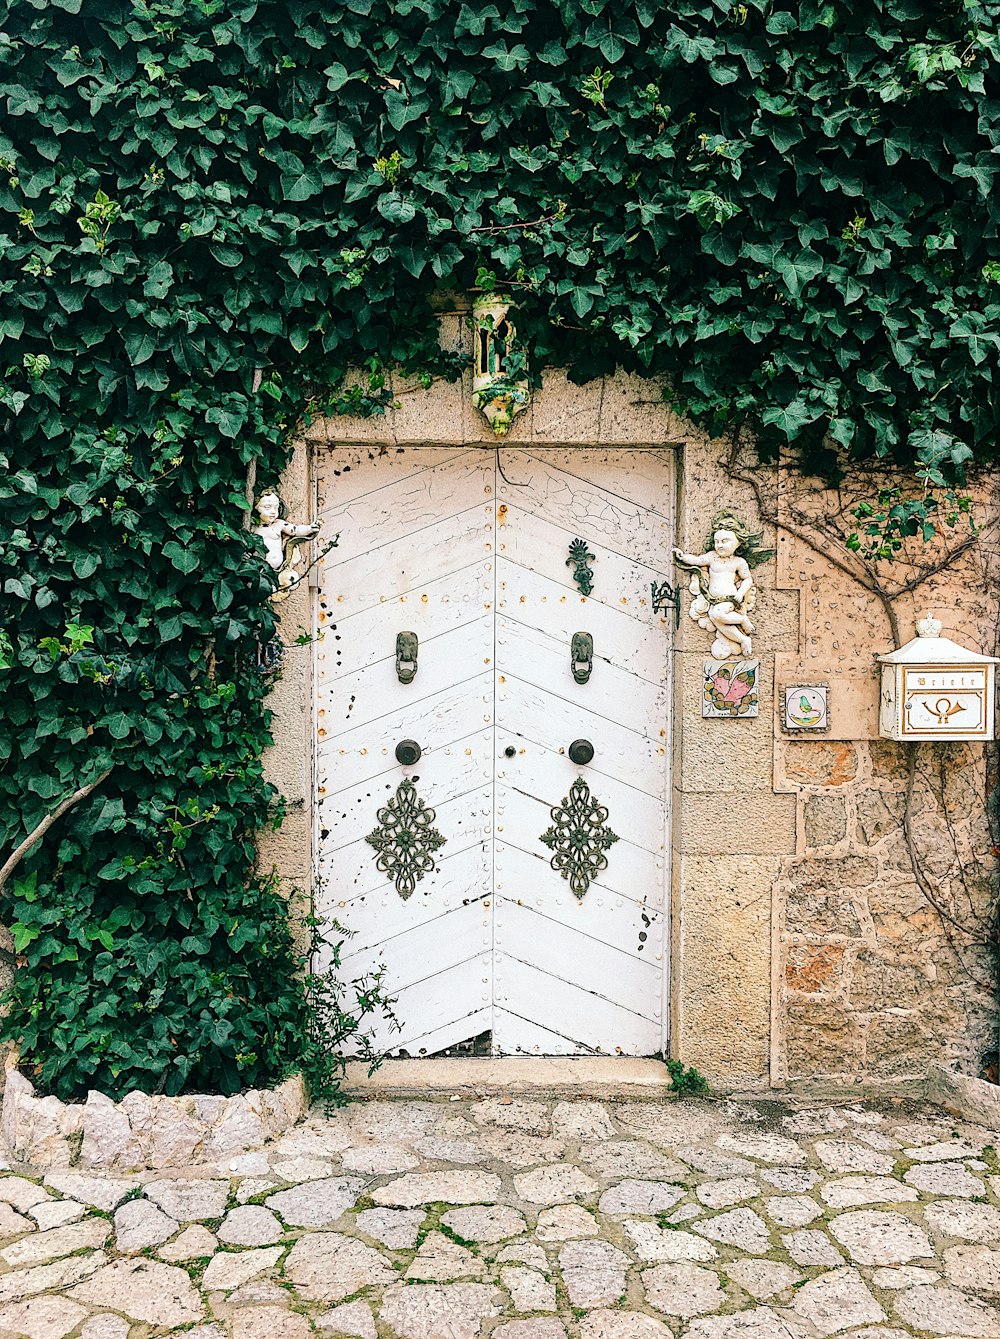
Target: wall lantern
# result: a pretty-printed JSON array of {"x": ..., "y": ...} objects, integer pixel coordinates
[
  {"x": 932, "y": 688},
  {"x": 499, "y": 380}
]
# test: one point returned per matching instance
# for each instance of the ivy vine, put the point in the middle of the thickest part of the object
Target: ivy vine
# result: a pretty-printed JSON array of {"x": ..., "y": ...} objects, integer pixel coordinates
[{"x": 210, "y": 211}]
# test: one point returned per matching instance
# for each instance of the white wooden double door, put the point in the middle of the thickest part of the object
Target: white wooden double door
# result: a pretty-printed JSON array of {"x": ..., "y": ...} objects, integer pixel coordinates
[{"x": 480, "y": 935}]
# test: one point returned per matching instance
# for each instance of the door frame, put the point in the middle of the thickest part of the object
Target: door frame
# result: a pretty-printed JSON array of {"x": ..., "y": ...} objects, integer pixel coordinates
[
  {"x": 671, "y": 796},
  {"x": 736, "y": 817}
]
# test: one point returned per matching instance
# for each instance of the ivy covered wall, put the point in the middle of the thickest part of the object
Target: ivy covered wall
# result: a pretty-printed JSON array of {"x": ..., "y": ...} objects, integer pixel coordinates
[{"x": 209, "y": 210}]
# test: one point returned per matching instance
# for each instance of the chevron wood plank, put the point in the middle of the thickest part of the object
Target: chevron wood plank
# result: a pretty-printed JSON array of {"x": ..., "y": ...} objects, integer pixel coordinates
[
  {"x": 602, "y": 915},
  {"x": 532, "y": 656},
  {"x": 631, "y": 871},
  {"x": 367, "y": 695},
  {"x": 549, "y": 775},
  {"x": 534, "y": 601},
  {"x": 623, "y": 527},
  {"x": 642, "y": 476},
  {"x": 403, "y": 566},
  {"x": 346, "y": 473},
  {"x": 425, "y": 951},
  {"x": 593, "y": 1021},
  {"x": 465, "y": 821},
  {"x": 620, "y": 583}
]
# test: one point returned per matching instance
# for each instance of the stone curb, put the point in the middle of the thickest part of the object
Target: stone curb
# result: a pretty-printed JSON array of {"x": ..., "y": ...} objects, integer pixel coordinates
[
  {"x": 973, "y": 1099},
  {"x": 142, "y": 1131},
  {"x": 479, "y": 1076}
]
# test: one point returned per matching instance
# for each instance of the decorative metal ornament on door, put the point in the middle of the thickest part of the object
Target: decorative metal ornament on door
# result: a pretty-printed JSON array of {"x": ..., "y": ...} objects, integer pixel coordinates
[
  {"x": 579, "y": 837},
  {"x": 579, "y": 559},
  {"x": 406, "y": 838}
]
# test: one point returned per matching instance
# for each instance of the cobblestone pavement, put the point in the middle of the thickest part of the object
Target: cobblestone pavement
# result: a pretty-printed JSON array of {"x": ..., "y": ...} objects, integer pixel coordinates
[{"x": 529, "y": 1219}]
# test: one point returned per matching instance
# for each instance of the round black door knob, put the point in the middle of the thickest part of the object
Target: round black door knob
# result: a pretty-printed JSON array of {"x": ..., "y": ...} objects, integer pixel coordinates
[
  {"x": 581, "y": 751},
  {"x": 407, "y": 752},
  {"x": 510, "y": 751}
]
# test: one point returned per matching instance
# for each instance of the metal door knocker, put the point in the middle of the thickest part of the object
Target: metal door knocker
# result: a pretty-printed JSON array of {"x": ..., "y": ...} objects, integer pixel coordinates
[
  {"x": 407, "y": 645},
  {"x": 582, "y": 656}
]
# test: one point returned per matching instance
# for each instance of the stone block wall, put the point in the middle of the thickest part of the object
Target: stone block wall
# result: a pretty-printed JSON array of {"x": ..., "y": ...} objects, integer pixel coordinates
[
  {"x": 803, "y": 948},
  {"x": 879, "y": 976},
  {"x": 875, "y": 981}
]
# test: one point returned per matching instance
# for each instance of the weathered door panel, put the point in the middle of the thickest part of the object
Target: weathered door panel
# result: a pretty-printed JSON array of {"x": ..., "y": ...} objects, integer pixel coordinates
[
  {"x": 398, "y": 509},
  {"x": 351, "y": 642},
  {"x": 348, "y": 473},
  {"x": 634, "y": 927},
  {"x": 542, "y": 773},
  {"x": 430, "y": 948},
  {"x": 573, "y": 505},
  {"x": 588, "y": 1022},
  {"x": 526, "y": 540},
  {"x": 596, "y": 938},
  {"x": 527, "y": 712},
  {"x": 631, "y": 871},
  {"x": 536, "y": 602},
  {"x": 522, "y": 1037},
  {"x": 415, "y": 555},
  {"x": 444, "y": 1011},
  {"x": 444, "y": 718},
  {"x": 635, "y": 475},
  {"x": 419, "y": 558},
  {"x": 444, "y": 659},
  {"x": 462, "y": 882},
  {"x": 464, "y": 822},
  {"x": 492, "y": 939},
  {"x": 533, "y": 657},
  {"x": 442, "y": 776},
  {"x": 593, "y": 968}
]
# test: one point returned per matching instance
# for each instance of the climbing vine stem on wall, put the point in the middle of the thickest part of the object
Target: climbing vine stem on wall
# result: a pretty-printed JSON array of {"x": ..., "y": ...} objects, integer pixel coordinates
[
  {"x": 209, "y": 213},
  {"x": 959, "y": 882}
]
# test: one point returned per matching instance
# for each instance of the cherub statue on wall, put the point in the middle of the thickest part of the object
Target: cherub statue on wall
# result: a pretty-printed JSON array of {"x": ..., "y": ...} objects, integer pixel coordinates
[
  {"x": 282, "y": 539},
  {"x": 722, "y": 585}
]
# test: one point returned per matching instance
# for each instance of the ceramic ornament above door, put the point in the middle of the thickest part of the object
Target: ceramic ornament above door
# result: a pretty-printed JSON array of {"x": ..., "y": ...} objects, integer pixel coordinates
[{"x": 492, "y": 743}]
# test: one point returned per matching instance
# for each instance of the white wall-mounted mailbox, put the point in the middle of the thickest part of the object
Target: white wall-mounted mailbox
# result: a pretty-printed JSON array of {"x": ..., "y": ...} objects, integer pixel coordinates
[{"x": 932, "y": 688}]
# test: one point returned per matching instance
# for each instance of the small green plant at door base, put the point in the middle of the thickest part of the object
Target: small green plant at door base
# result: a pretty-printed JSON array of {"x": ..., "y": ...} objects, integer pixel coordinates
[
  {"x": 339, "y": 1018},
  {"x": 685, "y": 1080}
]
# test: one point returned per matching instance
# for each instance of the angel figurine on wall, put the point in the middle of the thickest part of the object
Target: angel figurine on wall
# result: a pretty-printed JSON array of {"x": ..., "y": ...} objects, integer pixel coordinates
[
  {"x": 723, "y": 587},
  {"x": 281, "y": 539}
]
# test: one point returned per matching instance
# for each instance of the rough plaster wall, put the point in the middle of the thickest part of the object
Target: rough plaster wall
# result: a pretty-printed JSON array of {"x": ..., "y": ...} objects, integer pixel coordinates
[
  {"x": 287, "y": 851},
  {"x": 874, "y": 983}
]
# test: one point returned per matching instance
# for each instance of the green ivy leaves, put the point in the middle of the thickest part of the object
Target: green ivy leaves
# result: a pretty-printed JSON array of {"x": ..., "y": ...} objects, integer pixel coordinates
[{"x": 209, "y": 213}]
